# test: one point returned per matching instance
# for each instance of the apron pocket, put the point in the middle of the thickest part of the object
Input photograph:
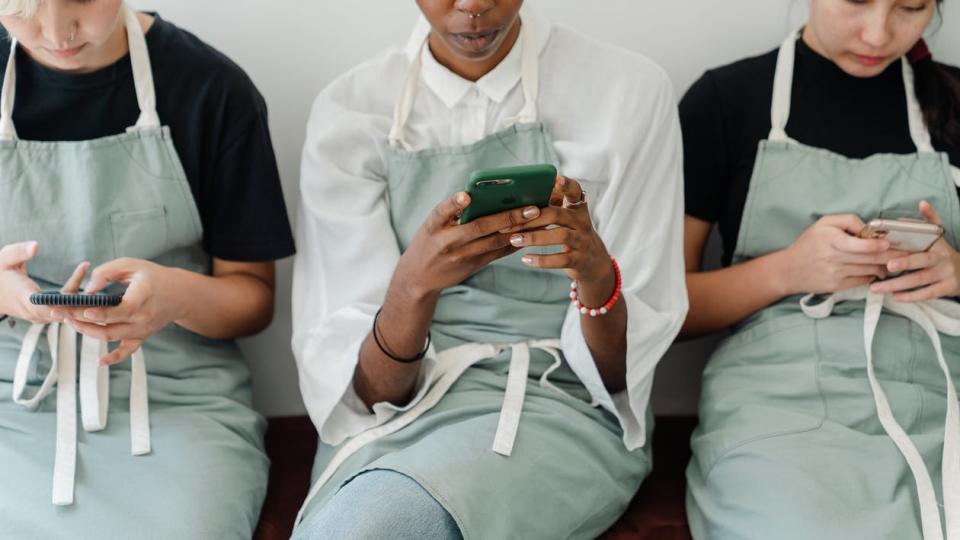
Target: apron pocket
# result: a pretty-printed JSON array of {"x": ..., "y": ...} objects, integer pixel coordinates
[{"x": 140, "y": 234}]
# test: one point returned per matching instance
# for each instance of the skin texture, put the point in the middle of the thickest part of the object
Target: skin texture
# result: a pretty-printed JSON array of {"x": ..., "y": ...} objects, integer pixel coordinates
[
  {"x": 236, "y": 300},
  {"x": 443, "y": 253},
  {"x": 452, "y": 26},
  {"x": 827, "y": 257}
]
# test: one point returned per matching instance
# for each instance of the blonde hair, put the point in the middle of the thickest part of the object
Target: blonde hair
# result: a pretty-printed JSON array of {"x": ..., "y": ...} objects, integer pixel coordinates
[{"x": 18, "y": 8}]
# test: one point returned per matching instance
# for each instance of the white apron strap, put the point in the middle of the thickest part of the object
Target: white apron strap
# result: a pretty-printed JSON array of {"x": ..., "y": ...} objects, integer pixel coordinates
[
  {"x": 139, "y": 406},
  {"x": 783, "y": 89},
  {"x": 142, "y": 72},
  {"x": 7, "y": 131},
  {"x": 95, "y": 394},
  {"x": 934, "y": 316},
  {"x": 530, "y": 80},
  {"x": 94, "y": 384},
  {"x": 22, "y": 369},
  {"x": 65, "y": 460},
  {"x": 513, "y": 397}
]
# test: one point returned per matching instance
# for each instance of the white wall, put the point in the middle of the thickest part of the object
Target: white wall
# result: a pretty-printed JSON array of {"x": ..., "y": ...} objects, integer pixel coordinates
[{"x": 292, "y": 48}]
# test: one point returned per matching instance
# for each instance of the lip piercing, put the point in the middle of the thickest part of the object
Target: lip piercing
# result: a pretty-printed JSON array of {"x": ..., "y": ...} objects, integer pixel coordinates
[{"x": 473, "y": 16}]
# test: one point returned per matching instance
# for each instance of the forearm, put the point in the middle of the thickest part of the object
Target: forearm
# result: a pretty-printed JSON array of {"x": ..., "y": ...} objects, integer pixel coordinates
[
  {"x": 606, "y": 336},
  {"x": 402, "y": 328},
  {"x": 721, "y": 298},
  {"x": 223, "y": 307}
]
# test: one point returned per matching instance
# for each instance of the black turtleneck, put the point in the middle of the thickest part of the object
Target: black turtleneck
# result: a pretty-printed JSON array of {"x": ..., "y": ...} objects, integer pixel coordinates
[{"x": 726, "y": 114}]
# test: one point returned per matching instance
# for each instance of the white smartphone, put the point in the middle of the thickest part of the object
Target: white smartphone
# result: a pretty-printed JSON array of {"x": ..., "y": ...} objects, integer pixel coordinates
[{"x": 908, "y": 235}]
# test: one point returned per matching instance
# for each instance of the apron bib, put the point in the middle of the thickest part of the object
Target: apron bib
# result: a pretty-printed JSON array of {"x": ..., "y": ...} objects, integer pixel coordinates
[
  {"x": 119, "y": 196},
  {"x": 549, "y": 443},
  {"x": 802, "y": 400}
]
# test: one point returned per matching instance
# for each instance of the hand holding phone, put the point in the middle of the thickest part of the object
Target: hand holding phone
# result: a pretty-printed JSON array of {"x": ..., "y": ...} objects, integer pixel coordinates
[
  {"x": 75, "y": 300},
  {"x": 16, "y": 286},
  {"x": 924, "y": 275},
  {"x": 909, "y": 235},
  {"x": 497, "y": 190}
]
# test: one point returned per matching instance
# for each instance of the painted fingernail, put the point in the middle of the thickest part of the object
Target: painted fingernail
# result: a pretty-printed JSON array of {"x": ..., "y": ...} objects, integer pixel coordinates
[
  {"x": 531, "y": 212},
  {"x": 527, "y": 259},
  {"x": 516, "y": 239}
]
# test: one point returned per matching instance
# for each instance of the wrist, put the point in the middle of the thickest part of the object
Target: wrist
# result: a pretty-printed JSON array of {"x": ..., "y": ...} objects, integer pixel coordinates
[
  {"x": 179, "y": 296},
  {"x": 594, "y": 292},
  {"x": 412, "y": 290},
  {"x": 777, "y": 266}
]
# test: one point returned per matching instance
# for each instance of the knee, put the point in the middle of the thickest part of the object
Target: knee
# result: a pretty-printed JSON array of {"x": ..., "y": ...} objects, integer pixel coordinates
[{"x": 380, "y": 504}]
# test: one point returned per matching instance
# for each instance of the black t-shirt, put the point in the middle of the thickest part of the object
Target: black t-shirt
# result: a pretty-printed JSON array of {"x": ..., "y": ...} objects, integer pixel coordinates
[
  {"x": 217, "y": 118},
  {"x": 726, "y": 114}
]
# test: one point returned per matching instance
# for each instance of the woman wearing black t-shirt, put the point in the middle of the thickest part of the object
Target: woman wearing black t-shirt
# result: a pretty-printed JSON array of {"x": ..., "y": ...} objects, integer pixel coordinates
[
  {"x": 132, "y": 148},
  {"x": 824, "y": 417}
]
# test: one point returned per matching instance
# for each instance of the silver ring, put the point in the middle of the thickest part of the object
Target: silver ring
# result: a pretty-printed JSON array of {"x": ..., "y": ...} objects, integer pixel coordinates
[{"x": 581, "y": 202}]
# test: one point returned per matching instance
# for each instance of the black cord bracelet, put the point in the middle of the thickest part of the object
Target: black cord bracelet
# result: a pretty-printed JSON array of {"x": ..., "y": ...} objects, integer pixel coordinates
[
  {"x": 376, "y": 339},
  {"x": 3, "y": 317}
]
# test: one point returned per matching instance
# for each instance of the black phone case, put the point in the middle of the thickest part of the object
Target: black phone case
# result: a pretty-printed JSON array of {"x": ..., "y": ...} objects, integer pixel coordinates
[{"x": 57, "y": 298}]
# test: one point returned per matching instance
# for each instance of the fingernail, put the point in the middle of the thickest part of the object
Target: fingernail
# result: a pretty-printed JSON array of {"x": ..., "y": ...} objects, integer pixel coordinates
[
  {"x": 893, "y": 267},
  {"x": 516, "y": 239},
  {"x": 461, "y": 198},
  {"x": 527, "y": 259},
  {"x": 88, "y": 314},
  {"x": 531, "y": 212}
]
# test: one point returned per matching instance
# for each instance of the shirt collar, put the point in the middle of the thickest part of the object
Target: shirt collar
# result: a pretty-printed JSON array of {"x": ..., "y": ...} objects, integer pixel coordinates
[{"x": 451, "y": 88}]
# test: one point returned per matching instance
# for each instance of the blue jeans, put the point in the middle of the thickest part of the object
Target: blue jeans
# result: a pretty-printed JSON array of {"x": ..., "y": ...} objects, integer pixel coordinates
[{"x": 381, "y": 504}]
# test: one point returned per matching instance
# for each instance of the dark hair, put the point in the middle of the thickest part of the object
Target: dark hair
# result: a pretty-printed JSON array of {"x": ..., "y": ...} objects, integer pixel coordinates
[{"x": 938, "y": 92}]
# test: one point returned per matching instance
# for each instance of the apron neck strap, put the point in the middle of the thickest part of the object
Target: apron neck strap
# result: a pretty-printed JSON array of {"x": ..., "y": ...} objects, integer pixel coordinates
[
  {"x": 783, "y": 87},
  {"x": 142, "y": 79},
  {"x": 7, "y": 130},
  {"x": 529, "y": 78},
  {"x": 142, "y": 72}
]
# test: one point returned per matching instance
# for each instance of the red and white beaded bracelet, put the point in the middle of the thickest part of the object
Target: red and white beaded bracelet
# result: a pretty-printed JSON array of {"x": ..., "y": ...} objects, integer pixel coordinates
[{"x": 608, "y": 305}]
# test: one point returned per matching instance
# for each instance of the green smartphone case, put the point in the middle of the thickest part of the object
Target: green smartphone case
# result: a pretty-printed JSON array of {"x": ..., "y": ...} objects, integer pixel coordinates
[{"x": 497, "y": 190}]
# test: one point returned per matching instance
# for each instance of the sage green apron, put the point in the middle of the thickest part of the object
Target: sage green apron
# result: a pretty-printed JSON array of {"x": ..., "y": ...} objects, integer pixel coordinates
[
  {"x": 198, "y": 469},
  {"x": 792, "y": 441},
  {"x": 567, "y": 474}
]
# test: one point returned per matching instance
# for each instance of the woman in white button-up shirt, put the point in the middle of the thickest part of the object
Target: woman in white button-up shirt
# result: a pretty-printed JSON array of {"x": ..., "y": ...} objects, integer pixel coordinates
[{"x": 456, "y": 389}]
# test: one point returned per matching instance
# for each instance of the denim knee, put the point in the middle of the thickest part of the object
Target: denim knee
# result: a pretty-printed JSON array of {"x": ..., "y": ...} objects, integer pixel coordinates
[{"x": 380, "y": 504}]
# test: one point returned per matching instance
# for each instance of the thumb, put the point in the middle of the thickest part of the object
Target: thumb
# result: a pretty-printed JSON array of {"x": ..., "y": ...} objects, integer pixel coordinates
[
  {"x": 13, "y": 255},
  {"x": 849, "y": 223},
  {"x": 930, "y": 213},
  {"x": 107, "y": 273}
]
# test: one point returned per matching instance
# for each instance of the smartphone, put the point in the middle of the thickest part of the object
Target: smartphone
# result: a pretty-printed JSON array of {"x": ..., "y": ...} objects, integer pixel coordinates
[
  {"x": 908, "y": 235},
  {"x": 57, "y": 298},
  {"x": 497, "y": 190}
]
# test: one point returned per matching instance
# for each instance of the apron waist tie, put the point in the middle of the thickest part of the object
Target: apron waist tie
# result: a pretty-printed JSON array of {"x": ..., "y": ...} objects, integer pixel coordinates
[
  {"x": 94, "y": 397},
  {"x": 451, "y": 364},
  {"x": 933, "y": 316}
]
